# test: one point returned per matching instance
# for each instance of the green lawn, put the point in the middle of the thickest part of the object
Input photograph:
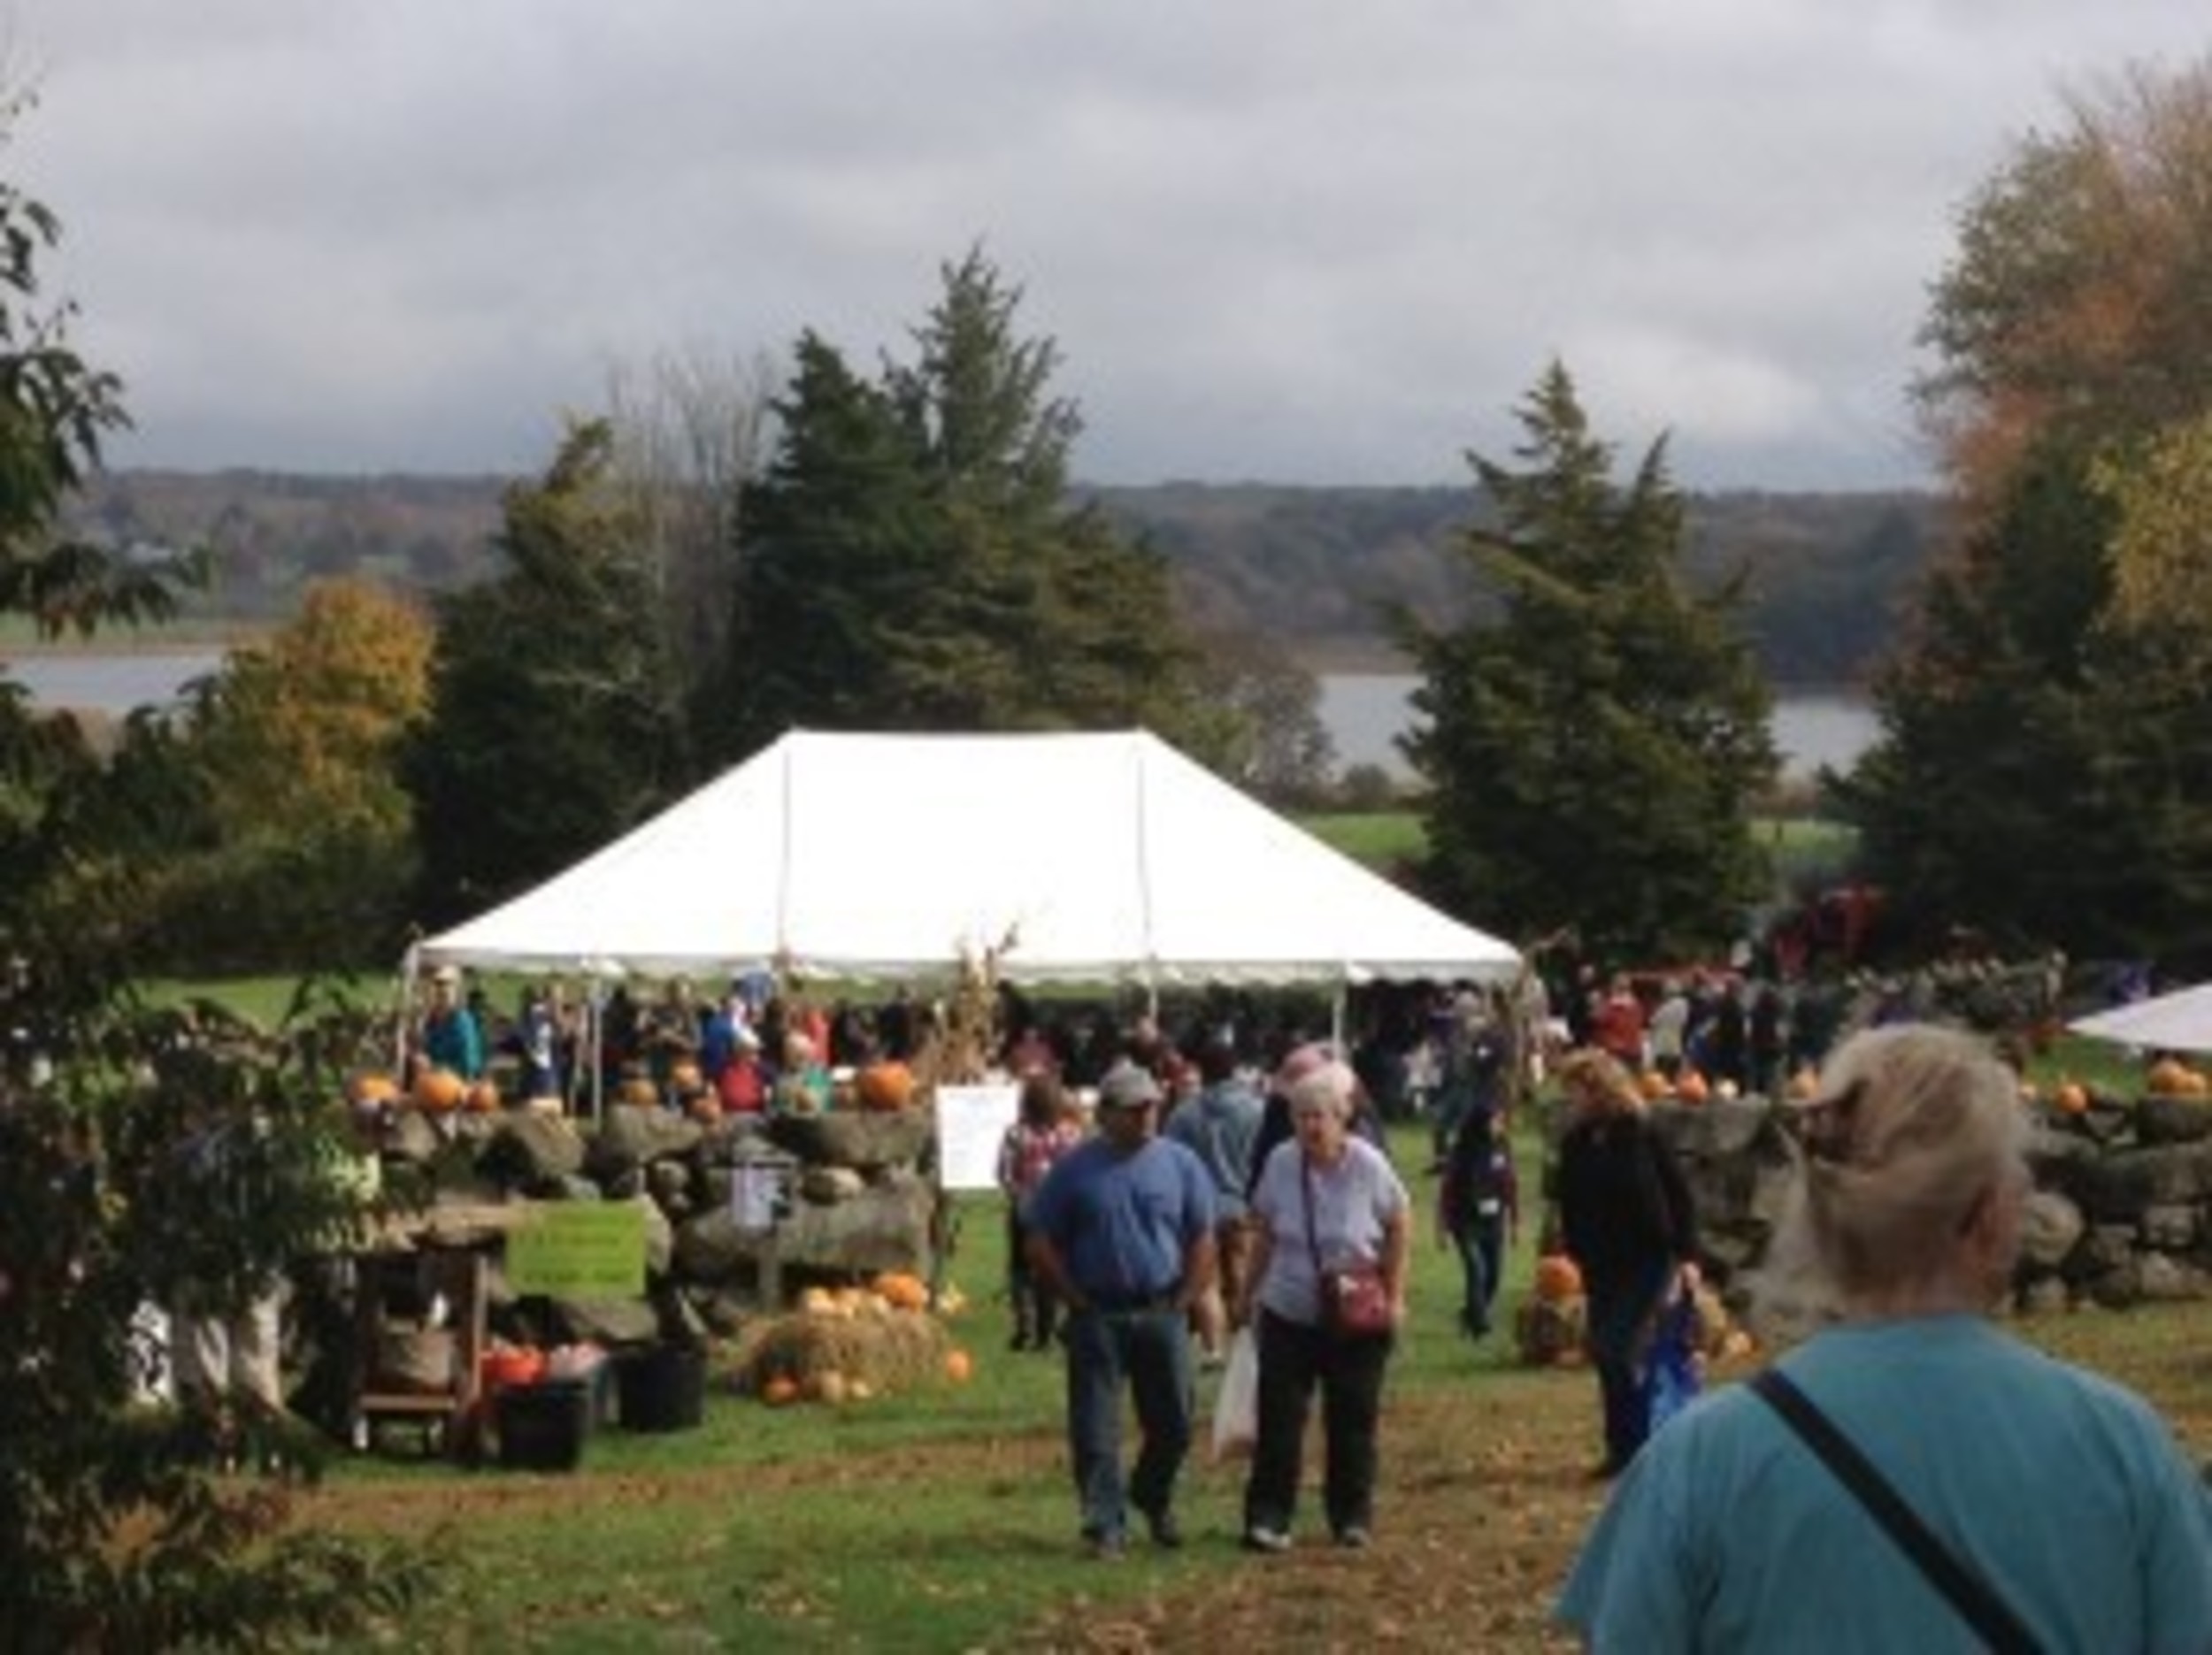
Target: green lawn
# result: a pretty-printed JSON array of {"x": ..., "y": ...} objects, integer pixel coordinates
[{"x": 1381, "y": 838}]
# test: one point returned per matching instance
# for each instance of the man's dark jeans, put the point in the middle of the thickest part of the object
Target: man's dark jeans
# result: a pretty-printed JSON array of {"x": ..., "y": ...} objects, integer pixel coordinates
[{"x": 1148, "y": 1349}]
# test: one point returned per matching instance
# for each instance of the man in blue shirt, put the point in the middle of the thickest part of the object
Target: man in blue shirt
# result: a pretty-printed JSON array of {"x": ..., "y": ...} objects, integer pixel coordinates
[{"x": 1123, "y": 1231}]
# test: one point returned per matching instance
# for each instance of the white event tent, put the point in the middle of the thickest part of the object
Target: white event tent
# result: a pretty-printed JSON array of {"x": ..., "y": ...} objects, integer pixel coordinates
[
  {"x": 2178, "y": 1022},
  {"x": 1081, "y": 858}
]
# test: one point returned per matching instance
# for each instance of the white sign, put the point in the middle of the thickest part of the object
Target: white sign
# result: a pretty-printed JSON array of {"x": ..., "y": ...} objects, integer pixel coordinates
[{"x": 971, "y": 1123}]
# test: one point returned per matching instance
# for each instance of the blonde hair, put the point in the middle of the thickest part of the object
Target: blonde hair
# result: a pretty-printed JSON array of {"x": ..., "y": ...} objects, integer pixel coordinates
[
  {"x": 1913, "y": 1125},
  {"x": 1600, "y": 1077}
]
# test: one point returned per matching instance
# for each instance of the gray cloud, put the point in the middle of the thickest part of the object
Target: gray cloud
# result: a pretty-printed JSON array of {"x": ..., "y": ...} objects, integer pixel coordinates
[{"x": 1290, "y": 240}]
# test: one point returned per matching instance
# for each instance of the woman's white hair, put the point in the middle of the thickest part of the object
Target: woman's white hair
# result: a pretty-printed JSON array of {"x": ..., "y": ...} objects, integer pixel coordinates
[
  {"x": 1329, "y": 1085},
  {"x": 1911, "y": 1126}
]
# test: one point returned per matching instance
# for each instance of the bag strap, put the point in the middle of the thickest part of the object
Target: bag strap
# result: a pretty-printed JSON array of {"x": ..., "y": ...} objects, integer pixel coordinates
[
  {"x": 1305, "y": 1191},
  {"x": 1979, "y": 1606}
]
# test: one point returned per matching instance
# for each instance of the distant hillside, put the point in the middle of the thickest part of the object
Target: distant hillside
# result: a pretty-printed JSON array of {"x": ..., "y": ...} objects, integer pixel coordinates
[{"x": 1312, "y": 566}]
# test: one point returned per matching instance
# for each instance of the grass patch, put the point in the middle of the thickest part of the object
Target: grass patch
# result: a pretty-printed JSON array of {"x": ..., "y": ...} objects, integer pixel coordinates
[{"x": 1378, "y": 838}]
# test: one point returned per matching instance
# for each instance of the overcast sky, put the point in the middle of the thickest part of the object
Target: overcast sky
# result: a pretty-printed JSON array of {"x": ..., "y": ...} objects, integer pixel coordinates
[{"x": 1299, "y": 240}]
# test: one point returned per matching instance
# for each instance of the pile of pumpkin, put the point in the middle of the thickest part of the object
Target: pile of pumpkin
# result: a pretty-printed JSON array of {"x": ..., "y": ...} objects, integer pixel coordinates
[
  {"x": 881, "y": 1088},
  {"x": 1688, "y": 1085},
  {"x": 434, "y": 1092},
  {"x": 2170, "y": 1077},
  {"x": 850, "y": 1344},
  {"x": 1550, "y": 1326}
]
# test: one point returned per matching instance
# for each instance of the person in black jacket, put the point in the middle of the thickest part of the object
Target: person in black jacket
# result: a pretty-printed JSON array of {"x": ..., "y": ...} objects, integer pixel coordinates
[{"x": 1626, "y": 1219}]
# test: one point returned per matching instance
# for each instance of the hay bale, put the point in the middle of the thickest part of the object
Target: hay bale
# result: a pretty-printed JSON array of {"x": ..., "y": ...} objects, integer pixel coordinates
[{"x": 888, "y": 1350}]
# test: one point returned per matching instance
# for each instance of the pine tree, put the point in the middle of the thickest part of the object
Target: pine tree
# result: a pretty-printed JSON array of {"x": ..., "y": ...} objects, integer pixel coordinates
[
  {"x": 1595, "y": 739},
  {"x": 910, "y": 559}
]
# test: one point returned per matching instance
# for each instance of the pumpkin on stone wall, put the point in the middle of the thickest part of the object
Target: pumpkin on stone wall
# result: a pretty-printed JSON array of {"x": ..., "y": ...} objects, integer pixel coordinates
[{"x": 885, "y": 1087}]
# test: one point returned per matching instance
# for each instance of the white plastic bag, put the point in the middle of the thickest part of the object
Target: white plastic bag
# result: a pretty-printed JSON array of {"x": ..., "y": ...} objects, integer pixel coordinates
[{"x": 1237, "y": 1403}]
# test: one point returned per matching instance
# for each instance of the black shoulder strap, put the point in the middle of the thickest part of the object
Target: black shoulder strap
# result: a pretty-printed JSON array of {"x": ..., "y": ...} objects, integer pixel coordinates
[{"x": 1981, "y": 1608}]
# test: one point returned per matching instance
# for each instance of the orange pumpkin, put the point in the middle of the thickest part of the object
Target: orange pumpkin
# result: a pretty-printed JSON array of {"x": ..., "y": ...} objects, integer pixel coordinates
[
  {"x": 2168, "y": 1076},
  {"x": 686, "y": 1078},
  {"x": 1652, "y": 1084},
  {"x": 903, "y": 1289},
  {"x": 778, "y": 1389},
  {"x": 370, "y": 1088},
  {"x": 1558, "y": 1278},
  {"x": 2071, "y": 1098},
  {"x": 641, "y": 1091},
  {"x": 482, "y": 1097},
  {"x": 959, "y": 1365},
  {"x": 1691, "y": 1087},
  {"x": 439, "y": 1091},
  {"x": 885, "y": 1087},
  {"x": 505, "y": 1365}
]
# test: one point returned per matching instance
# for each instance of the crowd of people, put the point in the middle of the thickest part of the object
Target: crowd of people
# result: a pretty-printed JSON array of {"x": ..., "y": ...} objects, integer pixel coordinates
[{"x": 1238, "y": 1184}]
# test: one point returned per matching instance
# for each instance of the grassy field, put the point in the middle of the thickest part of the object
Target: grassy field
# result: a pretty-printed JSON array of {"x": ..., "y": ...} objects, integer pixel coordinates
[
  {"x": 1804, "y": 852},
  {"x": 944, "y": 1519}
]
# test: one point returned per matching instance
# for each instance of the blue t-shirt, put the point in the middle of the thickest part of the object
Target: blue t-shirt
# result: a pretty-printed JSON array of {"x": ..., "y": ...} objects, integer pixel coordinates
[
  {"x": 2066, "y": 1493},
  {"x": 1355, "y": 1203},
  {"x": 1122, "y": 1223}
]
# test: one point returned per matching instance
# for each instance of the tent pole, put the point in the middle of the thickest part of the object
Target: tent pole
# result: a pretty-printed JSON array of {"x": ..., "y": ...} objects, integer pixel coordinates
[
  {"x": 598, "y": 1049},
  {"x": 1336, "y": 1014},
  {"x": 410, "y": 965}
]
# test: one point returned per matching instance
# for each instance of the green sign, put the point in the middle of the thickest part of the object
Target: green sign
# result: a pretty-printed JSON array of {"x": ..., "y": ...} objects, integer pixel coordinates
[{"x": 580, "y": 1250}]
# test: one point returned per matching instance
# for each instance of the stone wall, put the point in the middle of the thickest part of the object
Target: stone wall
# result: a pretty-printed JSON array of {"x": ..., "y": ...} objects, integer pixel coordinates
[
  {"x": 2121, "y": 1212},
  {"x": 855, "y": 1200}
]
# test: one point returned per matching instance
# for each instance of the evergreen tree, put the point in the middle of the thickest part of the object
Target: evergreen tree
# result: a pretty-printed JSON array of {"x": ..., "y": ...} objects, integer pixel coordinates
[
  {"x": 910, "y": 560},
  {"x": 553, "y": 724},
  {"x": 1593, "y": 742}
]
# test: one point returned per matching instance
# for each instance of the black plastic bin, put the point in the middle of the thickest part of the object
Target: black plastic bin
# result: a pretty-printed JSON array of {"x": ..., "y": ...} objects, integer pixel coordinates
[
  {"x": 544, "y": 1426},
  {"x": 663, "y": 1389}
]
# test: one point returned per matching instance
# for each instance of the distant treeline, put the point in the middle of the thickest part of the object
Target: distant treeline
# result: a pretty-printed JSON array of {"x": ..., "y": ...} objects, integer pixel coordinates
[{"x": 1314, "y": 568}]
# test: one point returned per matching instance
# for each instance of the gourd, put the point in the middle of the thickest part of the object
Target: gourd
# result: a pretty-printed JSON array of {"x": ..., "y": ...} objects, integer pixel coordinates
[
  {"x": 1558, "y": 1278},
  {"x": 903, "y": 1289},
  {"x": 959, "y": 1365},
  {"x": 372, "y": 1087},
  {"x": 830, "y": 1387},
  {"x": 885, "y": 1087}
]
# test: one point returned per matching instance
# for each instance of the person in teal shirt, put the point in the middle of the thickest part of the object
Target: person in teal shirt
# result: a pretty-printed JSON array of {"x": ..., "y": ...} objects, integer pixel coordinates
[
  {"x": 451, "y": 1038},
  {"x": 2064, "y": 1493}
]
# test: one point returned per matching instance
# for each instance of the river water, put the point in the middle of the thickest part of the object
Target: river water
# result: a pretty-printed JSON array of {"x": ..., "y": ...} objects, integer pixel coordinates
[
  {"x": 1364, "y": 712},
  {"x": 115, "y": 684}
]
